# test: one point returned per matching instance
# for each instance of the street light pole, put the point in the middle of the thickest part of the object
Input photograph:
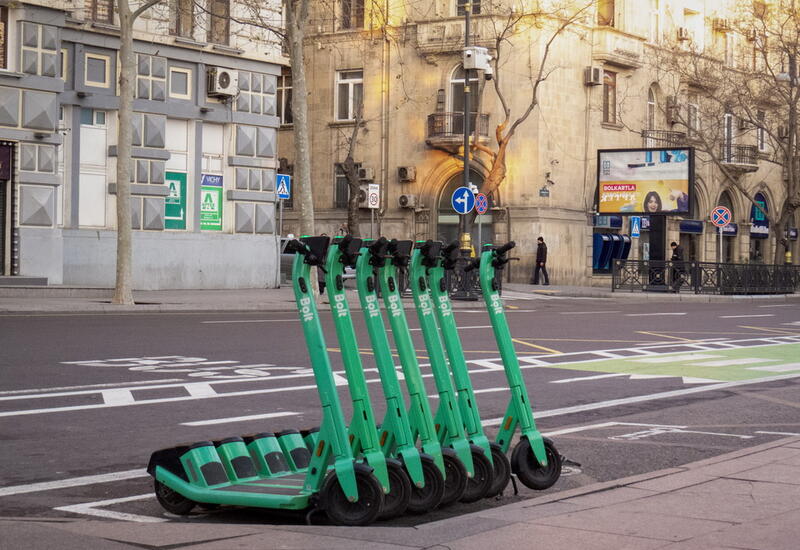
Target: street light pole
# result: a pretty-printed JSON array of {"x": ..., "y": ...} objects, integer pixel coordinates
[{"x": 462, "y": 220}]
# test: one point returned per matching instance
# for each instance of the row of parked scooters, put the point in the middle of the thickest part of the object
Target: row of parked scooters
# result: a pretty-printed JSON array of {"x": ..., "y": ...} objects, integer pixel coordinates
[{"x": 417, "y": 458}]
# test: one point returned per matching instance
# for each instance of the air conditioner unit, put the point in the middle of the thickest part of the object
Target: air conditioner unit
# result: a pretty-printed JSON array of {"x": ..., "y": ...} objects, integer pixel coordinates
[
  {"x": 222, "y": 82},
  {"x": 407, "y": 201},
  {"x": 593, "y": 76},
  {"x": 684, "y": 34},
  {"x": 722, "y": 24},
  {"x": 366, "y": 174},
  {"x": 406, "y": 173},
  {"x": 363, "y": 190},
  {"x": 673, "y": 110}
]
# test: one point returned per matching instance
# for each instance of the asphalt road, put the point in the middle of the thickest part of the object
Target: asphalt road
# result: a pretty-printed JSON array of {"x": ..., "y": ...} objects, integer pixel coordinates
[{"x": 622, "y": 388}]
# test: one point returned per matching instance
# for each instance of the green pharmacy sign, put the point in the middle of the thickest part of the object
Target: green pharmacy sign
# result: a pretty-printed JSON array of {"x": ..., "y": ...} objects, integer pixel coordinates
[
  {"x": 211, "y": 203},
  {"x": 175, "y": 201}
]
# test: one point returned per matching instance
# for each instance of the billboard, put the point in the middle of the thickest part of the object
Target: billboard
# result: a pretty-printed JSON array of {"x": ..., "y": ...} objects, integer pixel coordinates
[{"x": 645, "y": 181}]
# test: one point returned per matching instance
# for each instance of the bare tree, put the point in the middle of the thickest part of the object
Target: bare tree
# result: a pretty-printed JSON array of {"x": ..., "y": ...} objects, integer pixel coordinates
[
  {"x": 123, "y": 287},
  {"x": 752, "y": 81}
]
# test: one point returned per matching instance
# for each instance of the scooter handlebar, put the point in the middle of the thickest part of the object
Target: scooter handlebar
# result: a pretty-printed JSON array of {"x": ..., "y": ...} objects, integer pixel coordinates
[{"x": 501, "y": 250}]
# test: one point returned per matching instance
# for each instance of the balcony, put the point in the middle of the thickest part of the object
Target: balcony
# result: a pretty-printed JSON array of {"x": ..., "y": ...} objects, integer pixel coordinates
[
  {"x": 446, "y": 130},
  {"x": 743, "y": 158},
  {"x": 618, "y": 48},
  {"x": 663, "y": 138},
  {"x": 447, "y": 35}
]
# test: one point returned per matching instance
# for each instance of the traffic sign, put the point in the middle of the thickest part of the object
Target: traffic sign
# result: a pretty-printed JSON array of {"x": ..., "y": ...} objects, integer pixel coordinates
[
  {"x": 481, "y": 203},
  {"x": 721, "y": 216},
  {"x": 283, "y": 186},
  {"x": 463, "y": 200},
  {"x": 373, "y": 195},
  {"x": 636, "y": 225}
]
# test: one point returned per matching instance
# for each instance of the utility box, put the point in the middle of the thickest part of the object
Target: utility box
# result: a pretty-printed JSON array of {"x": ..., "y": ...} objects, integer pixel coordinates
[{"x": 476, "y": 57}]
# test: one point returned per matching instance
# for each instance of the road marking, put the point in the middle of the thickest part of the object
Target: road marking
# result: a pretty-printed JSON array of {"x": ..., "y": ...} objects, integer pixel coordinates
[
  {"x": 71, "y": 482},
  {"x": 778, "y": 433},
  {"x": 675, "y": 358},
  {"x": 90, "y": 509},
  {"x": 650, "y": 314},
  {"x": 643, "y": 398},
  {"x": 788, "y": 367},
  {"x": 658, "y": 335},
  {"x": 85, "y": 387},
  {"x": 460, "y": 328},
  {"x": 743, "y": 316},
  {"x": 586, "y": 312},
  {"x": 117, "y": 397},
  {"x": 730, "y": 362},
  {"x": 249, "y": 321},
  {"x": 660, "y": 430},
  {"x": 200, "y": 389},
  {"x": 535, "y": 346},
  {"x": 582, "y": 378},
  {"x": 780, "y": 305},
  {"x": 238, "y": 419}
]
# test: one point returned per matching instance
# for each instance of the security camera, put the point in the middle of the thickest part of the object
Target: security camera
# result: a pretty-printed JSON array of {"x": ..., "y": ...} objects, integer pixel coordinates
[{"x": 488, "y": 73}]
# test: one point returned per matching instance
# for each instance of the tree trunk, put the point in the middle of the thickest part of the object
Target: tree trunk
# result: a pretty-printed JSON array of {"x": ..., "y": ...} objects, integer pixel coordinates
[
  {"x": 296, "y": 18},
  {"x": 354, "y": 186},
  {"x": 123, "y": 293}
]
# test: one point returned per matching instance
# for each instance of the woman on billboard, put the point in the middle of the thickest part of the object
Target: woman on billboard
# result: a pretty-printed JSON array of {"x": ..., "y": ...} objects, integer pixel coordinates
[{"x": 652, "y": 202}]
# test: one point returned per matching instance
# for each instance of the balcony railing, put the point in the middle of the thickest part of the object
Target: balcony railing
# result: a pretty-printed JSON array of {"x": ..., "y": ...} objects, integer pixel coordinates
[
  {"x": 745, "y": 156},
  {"x": 663, "y": 138},
  {"x": 450, "y": 126}
]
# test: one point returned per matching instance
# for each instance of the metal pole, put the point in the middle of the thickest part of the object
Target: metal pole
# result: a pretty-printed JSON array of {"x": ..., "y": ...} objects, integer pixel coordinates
[
  {"x": 462, "y": 220},
  {"x": 280, "y": 218},
  {"x": 280, "y": 234},
  {"x": 372, "y": 223},
  {"x": 480, "y": 237},
  {"x": 719, "y": 248}
]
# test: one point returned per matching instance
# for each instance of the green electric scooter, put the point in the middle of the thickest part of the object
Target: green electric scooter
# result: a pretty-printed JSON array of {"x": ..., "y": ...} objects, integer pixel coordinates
[
  {"x": 224, "y": 472},
  {"x": 491, "y": 465},
  {"x": 396, "y": 435},
  {"x": 535, "y": 460}
]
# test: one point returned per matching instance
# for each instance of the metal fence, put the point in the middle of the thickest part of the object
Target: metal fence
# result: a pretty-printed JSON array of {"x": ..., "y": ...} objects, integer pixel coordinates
[{"x": 704, "y": 277}]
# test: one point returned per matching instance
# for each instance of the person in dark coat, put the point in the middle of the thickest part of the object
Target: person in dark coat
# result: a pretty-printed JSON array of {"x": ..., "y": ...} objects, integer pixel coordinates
[
  {"x": 678, "y": 267},
  {"x": 541, "y": 263}
]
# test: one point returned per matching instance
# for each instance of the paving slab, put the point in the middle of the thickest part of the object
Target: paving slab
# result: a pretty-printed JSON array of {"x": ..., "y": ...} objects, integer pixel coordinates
[
  {"x": 289, "y": 540},
  {"x": 778, "y": 532},
  {"x": 161, "y": 534},
  {"x": 673, "y": 482},
  {"x": 758, "y": 491},
  {"x": 776, "y": 473},
  {"x": 28, "y": 535}
]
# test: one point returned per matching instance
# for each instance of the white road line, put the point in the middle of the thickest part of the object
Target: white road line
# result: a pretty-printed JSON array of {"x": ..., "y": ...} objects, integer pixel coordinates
[
  {"x": 90, "y": 509},
  {"x": 491, "y": 390},
  {"x": 585, "y": 312},
  {"x": 248, "y": 321},
  {"x": 200, "y": 390},
  {"x": 95, "y": 387},
  {"x": 117, "y": 397},
  {"x": 780, "y": 305},
  {"x": 673, "y": 358},
  {"x": 744, "y": 316},
  {"x": 582, "y": 378},
  {"x": 238, "y": 419},
  {"x": 643, "y": 398},
  {"x": 489, "y": 364},
  {"x": 731, "y": 362},
  {"x": 460, "y": 328},
  {"x": 778, "y": 433},
  {"x": 71, "y": 482},
  {"x": 787, "y": 367},
  {"x": 650, "y": 314}
]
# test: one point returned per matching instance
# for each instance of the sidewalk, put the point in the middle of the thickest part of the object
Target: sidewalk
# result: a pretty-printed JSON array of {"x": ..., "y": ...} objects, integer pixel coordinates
[
  {"x": 748, "y": 499},
  {"x": 56, "y": 299}
]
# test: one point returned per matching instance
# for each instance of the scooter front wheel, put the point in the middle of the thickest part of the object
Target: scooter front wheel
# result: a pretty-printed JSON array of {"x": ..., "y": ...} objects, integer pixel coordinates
[
  {"x": 361, "y": 512},
  {"x": 396, "y": 502},
  {"x": 428, "y": 497},
  {"x": 502, "y": 471},
  {"x": 528, "y": 470},
  {"x": 478, "y": 485},
  {"x": 172, "y": 501},
  {"x": 455, "y": 477}
]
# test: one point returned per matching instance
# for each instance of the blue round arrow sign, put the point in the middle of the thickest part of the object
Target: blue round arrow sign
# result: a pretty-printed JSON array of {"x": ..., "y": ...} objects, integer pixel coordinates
[{"x": 463, "y": 200}]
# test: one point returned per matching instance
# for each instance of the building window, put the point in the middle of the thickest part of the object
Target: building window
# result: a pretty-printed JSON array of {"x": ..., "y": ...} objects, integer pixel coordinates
[
  {"x": 3, "y": 37},
  {"x": 219, "y": 25},
  {"x": 39, "y": 50},
  {"x": 349, "y": 93},
  {"x": 729, "y": 42},
  {"x": 352, "y": 14},
  {"x": 256, "y": 94},
  {"x": 97, "y": 70},
  {"x": 151, "y": 77},
  {"x": 93, "y": 117},
  {"x": 651, "y": 109},
  {"x": 605, "y": 13},
  {"x": 181, "y": 18},
  {"x": 692, "y": 117},
  {"x": 655, "y": 21},
  {"x": 285, "y": 97},
  {"x": 180, "y": 83},
  {"x": 461, "y": 7},
  {"x": 101, "y": 11},
  {"x": 64, "y": 63},
  {"x": 761, "y": 132},
  {"x": 727, "y": 137},
  {"x": 341, "y": 191},
  {"x": 610, "y": 97}
]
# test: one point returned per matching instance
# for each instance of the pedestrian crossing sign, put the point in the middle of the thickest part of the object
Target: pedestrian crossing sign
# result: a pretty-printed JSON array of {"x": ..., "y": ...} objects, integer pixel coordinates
[
  {"x": 636, "y": 224},
  {"x": 283, "y": 186}
]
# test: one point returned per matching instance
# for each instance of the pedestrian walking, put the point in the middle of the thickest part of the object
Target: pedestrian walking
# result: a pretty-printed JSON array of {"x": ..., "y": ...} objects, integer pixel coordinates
[
  {"x": 677, "y": 266},
  {"x": 541, "y": 263}
]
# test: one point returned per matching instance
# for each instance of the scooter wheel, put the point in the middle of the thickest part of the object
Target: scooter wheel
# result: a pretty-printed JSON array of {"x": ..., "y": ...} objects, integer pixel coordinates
[
  {"x": 455, "y": 477},
  {"x": 396, "y": 502},
  {"x": 502, "y": 471},
  {"x": 528, "y": 470},
  {"x": 361, "y": 512},
  {"x": 428, "y": 497},
  {"x": 172, "y": 501},
  {"x": 478, "y": 485}
]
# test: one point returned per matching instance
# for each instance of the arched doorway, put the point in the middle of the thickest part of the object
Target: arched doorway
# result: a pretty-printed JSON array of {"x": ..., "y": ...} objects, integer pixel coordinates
[
  {"x": 759, "y": 231},
  {"x": 447, "y": 219}
]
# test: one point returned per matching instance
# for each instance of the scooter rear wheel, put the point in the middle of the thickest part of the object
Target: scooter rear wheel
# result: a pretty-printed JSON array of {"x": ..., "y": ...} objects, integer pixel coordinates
[
  {"x": 478, "y": 485},
  {"x": 427, "y": 498},
  {"x": 528, "y": 470},
  {"x": 361, "y": 512},
  {"x": 455, "y": 479},
  {"x": 396, "y": 501},
  {"x": 502, "y": 471},
  {"x": 172, "y": 501}
]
